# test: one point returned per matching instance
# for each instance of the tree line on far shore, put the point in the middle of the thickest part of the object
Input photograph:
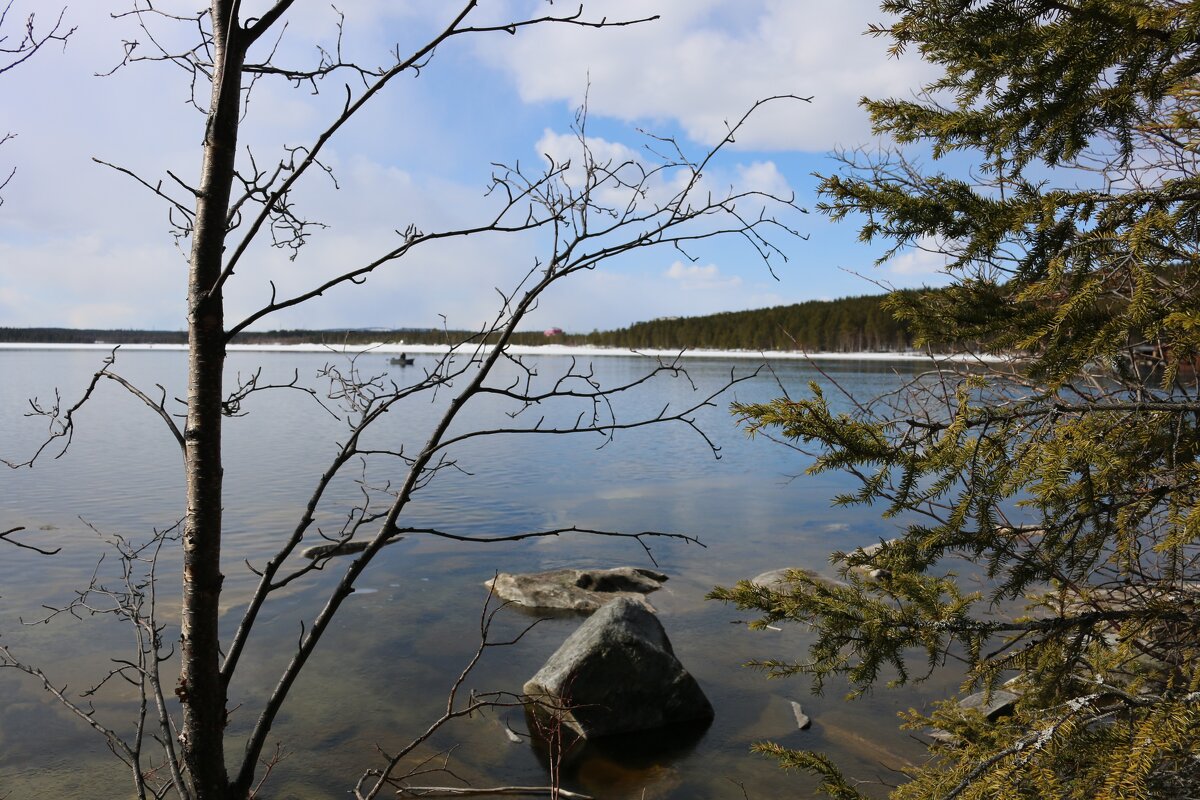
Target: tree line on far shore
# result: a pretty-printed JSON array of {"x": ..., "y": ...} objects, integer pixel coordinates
[{"x": 851, "y": 324}]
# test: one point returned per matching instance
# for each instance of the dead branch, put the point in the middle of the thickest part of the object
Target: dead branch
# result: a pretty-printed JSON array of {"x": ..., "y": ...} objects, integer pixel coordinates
[
  {"x": 159, "y": 406},
  {"x": 612, "y": 209},
  {"x": 414, "y": 62},
  {"x": 131, "y": 600},
  {"x": 639, "y": 537},
  {"x": 15, "y": 52},
  {"x": 114, "y": 741},
  {"x": 5, "y": 534},
  {"x": 495, "y": 791},
  {"x": 155, "y": 189},
  {"x": 232, "y": 405},
  {"x": 61, "y": 423},
  {"x": 384, "y": 776},
  {"x": 670, "y": 223}
]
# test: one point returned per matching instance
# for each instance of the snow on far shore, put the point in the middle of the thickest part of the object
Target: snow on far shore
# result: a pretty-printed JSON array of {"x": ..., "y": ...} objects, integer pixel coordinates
[{"x": 539, "y": 350}]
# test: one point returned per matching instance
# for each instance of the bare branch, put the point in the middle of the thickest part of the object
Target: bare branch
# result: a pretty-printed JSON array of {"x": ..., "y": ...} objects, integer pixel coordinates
[
  {"x": 580, "y": 213},
  {"x": 567, "y": 209},
  {"x": 415, "y": 61},
  {"x": 156, "y": 189},
  {"x": 115, "y": 742},
  {"x": 256, "y": 28},
  {"x": 62, "y": 422},
  {"x": 13, "y": 53},
  {"x": 159, "y": 406},
  {"x": 555, "y": 532},
  {"x": 494, "y": 791},
  {"x": 5, "y": 534},
  {"x": 384, "y": 777}
]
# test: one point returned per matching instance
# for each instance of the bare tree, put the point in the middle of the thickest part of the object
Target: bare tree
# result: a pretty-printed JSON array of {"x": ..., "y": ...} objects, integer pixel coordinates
[{"x": 582, "y": 212}]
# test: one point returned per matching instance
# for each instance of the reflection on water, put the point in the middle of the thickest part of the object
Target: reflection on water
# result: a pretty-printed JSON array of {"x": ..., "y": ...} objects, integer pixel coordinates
[
  {"x": 382, "y": 672},
  {"x": 618, "y": 765}
]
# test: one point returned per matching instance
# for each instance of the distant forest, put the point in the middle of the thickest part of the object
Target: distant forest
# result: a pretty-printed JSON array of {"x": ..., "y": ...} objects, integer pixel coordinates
[{"x": 852, "y": 324}]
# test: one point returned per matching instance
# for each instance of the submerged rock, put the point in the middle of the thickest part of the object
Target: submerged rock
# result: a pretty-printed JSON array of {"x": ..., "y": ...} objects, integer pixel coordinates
[
  {"x": 777, "y": 579},
  {"x": 341, "y": 548},
  {"x": 617, "y": 673},
  {"x": 642, "y": 764},
  {"x": 584, "y": 590},
  {"x": 867, "y": 568}
]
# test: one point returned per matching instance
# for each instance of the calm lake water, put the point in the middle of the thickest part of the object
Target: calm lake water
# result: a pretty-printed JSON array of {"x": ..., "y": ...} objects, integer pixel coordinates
[{"x": 382, "y": 673}]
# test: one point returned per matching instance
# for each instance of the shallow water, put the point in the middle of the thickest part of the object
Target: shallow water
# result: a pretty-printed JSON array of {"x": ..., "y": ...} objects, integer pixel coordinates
[{"x": 382, "y": 673}]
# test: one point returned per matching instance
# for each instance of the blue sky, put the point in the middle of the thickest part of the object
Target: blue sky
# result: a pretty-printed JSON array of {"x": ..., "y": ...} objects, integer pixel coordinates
[{"x": 81, "y": 245}]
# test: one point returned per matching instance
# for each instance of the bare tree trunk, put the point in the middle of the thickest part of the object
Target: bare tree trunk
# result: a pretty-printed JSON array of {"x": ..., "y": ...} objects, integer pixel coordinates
[
  {"x": 201, "y": 689},
  {"x": 582, "y": 227}
]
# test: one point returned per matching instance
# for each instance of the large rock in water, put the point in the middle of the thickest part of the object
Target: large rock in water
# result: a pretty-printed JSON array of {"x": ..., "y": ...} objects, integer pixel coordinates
[
  {"x": 617, "y": 673},
  {"x": 583, "y": 590}
]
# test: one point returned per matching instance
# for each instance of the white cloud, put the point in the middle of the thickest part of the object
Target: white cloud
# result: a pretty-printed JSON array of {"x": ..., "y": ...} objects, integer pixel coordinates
[
  {"x": 925, "y": 258},
  {"x": 705, "y": 62},
  {"x": 83, "y": 245},
  {"x": 707, "y": 277},
  {"x": 81, "y": 281},
  {"x": 765, "y": 177},
  {"x": 587, "y": 300},
  {"x": 623, "y": 162},
  {"x": 656, "y": 186}
]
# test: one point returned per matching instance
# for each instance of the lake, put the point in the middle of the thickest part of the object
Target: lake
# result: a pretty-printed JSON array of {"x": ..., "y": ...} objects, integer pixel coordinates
[{"x": 382, "y": 673}]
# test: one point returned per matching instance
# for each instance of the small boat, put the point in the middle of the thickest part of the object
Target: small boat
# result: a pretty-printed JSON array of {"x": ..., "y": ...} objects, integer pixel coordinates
[{"x": 401, "y": 360}]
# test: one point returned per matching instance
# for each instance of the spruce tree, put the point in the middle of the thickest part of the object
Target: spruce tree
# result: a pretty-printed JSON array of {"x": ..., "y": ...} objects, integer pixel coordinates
[{"x": 1069, "y": 471}]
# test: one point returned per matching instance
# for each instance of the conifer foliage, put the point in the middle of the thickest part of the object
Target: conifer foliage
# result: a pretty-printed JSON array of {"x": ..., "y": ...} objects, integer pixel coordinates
[{"x": 1070, "y": 475}]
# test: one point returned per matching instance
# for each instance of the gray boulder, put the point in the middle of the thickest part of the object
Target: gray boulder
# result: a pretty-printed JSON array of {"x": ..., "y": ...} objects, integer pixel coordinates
[
  {"x": 584, "y": 590},
  {"x": 616, "y": 674}
]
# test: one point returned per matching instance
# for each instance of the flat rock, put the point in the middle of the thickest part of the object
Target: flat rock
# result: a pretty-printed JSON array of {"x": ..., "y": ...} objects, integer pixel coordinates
[
  {"x": 617, "y": 673},
  {"x": 583, "y": 590},
  {"x": 777, "y": 579},
  {"x": 993, "y": 706}
]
